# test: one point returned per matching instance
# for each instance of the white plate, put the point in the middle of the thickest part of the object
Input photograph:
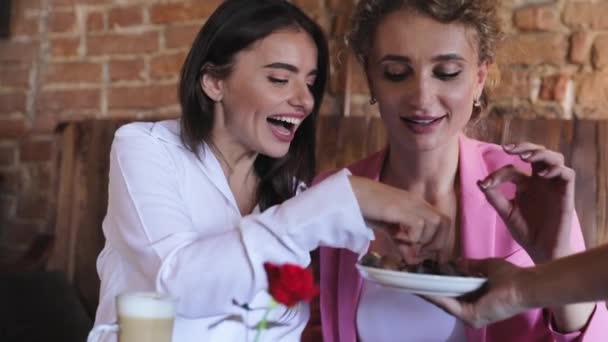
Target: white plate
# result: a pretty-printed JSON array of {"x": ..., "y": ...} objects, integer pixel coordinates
[{"x": 424, "y": 284}]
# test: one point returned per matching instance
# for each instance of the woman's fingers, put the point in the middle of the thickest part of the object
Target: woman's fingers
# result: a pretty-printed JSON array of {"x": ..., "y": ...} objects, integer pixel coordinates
[
  {"x": 547, "y": 157},
  {"x": 508, "y": 173},
  {"x": 490, "y": 188},
  {"x": 522, "y": 148},
  {"x": 439, "y": 240},
  {"x": 540, "y": 158}
]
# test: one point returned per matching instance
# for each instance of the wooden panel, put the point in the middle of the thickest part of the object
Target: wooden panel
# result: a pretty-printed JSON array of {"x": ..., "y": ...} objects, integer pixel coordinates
[
  {"x": 602, "y": 187},
  {"x": 489, "y": 130},
  {"x": 327, "y": 142},
  {"x": 584, "y": 162},
  {"x": 376, "y": 136},
  {"x": 94, "y": 161},
  {"x": 352, "y": 136},
  {"x": 61, "y": 252}
]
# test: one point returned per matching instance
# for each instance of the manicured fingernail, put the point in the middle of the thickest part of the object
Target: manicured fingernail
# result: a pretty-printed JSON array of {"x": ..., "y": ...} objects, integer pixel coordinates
[
  {"x": 484, "y": 184},
  {"x": 509, "y": 146},
  {"x": 526, "y": 155}
]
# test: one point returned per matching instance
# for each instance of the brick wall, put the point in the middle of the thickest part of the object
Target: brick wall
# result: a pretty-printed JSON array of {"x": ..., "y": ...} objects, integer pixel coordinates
[{"x": 73, "y": 59}]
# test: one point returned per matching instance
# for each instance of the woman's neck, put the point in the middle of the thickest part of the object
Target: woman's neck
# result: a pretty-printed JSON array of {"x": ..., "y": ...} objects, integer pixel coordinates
[
  {"x": 234, "y": 158},
  {"x": 431, "y": 174},
  {"x": 238, "y": 166}
]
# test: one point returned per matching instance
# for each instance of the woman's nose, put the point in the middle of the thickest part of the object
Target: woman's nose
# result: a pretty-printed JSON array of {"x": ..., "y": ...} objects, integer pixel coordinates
[
  {"x": 419, "y": 93},
  {"x": 303, "y": 98}
]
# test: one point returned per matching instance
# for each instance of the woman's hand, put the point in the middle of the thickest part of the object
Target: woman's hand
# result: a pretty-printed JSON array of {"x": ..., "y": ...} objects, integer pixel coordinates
[
  {"x": 500, "y": 298},
  {"x": 418, "y": 229},
  {"x": 540, "y": 215}
]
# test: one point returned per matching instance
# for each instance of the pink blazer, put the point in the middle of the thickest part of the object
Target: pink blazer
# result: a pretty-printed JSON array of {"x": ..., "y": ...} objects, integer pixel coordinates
[{"x": 483, "y": 235}]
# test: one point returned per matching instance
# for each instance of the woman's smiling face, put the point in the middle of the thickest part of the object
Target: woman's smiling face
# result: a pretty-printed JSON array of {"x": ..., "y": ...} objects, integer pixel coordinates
[
  {"x": 426, "y": 76},
  {"x": 267, "y": 94}
]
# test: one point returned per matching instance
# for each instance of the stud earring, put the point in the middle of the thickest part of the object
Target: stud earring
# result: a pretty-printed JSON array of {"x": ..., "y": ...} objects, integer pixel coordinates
[
  {"x": 476, "y": 104},
  {"x": 373, "y": 100}
]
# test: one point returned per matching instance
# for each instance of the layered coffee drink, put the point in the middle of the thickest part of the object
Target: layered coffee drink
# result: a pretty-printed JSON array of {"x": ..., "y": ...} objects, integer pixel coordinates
[{"x": 145, "y": 317}]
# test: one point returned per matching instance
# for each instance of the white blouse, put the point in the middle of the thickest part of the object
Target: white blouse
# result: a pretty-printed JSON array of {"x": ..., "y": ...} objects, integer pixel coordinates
[
  {"x": 385, "y": 314},
  {"x": 173, "y": 226}
]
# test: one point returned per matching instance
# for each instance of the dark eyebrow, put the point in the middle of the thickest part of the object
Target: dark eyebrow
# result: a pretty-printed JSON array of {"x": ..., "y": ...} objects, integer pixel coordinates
[
  {"x": 287, "y": 67},
  {"x": 440, "y": 58}
]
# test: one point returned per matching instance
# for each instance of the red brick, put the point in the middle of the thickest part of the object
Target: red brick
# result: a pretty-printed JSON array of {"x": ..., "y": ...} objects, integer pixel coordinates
[
  {"x": 127, "y": 43},
  {"x": 72, "y": 72},
  {"x": 65, "y": 47},
  {"x": 8, "y": 156},
  {"x": 514, "y": 83},
  {"x": 11, "y": 128},
  {"x": 14, "y": 75},
  {"x": 125, "y": 16},
  {"x": 26, "y": 26},
  {"x": 31, "y": 207},
  {"x": 12, "y": 102},
  {"x": 593, "y": 93},
  {"x": 537, "y": 18},
  {"x": 17, "y": 51},
  {"x": 37, "y": 177},
  {"x": 60, "y": 22},
  {"x": 10, "y": 182},
  {"x": 167, "y": 66},
  {"x": 65, "y": 100},
  {"x": 181, "y": 36},
  {"x": 36, "y": 151},
  {"x": 147, "y": 97},
  {"x": 24, "y": 5},
  {"x": 81, "y": 2},
  {"x": 554, "y": 87},
  {"x": 532, "y": 49},
  {"x": 177, "y": 12},
  {"x": 95, "y": 22},
  {"x": 126, "y": 70},
  {"x": 580, "y": 45},
  {"x": 44, "y": 123},
  {"x": 599, "y": 54},
  {"x": 580, "y": 15}
]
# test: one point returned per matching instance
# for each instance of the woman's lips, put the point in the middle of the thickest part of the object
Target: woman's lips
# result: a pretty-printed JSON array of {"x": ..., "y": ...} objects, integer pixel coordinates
[{"x": 423, "y": 125}]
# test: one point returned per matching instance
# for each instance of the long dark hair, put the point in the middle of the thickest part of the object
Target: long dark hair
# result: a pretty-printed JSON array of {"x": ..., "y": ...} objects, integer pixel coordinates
[{"x": 233, "y": 27}]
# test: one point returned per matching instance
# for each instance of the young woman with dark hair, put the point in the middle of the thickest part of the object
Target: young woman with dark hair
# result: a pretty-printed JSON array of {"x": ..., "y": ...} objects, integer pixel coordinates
[{"x": 197, "y": 205}]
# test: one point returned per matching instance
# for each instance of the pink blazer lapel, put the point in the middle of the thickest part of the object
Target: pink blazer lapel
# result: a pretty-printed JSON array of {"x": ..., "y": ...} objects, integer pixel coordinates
[
  {"x": 478, "y": 217},
  {"x": 348, "y": 296},
  {"x": 478, "y": 227},
  {"x": 351, "y": 282}
]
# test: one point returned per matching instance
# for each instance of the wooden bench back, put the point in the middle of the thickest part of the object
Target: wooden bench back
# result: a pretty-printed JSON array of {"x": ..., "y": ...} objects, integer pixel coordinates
[{"x": 85, "y": 147}]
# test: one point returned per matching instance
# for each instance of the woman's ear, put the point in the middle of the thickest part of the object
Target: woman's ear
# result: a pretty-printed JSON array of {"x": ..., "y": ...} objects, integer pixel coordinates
[
  {"x": 212, "y": 86},
  {"x": 482, "y": 77}
]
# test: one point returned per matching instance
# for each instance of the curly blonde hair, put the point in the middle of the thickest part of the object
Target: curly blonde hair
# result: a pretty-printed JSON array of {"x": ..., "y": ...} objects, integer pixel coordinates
[{"x": 481, "y": 15}]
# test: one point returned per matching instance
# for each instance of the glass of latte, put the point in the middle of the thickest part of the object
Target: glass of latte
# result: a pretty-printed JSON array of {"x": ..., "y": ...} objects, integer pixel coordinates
[{"x": 142, "y": 317}]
